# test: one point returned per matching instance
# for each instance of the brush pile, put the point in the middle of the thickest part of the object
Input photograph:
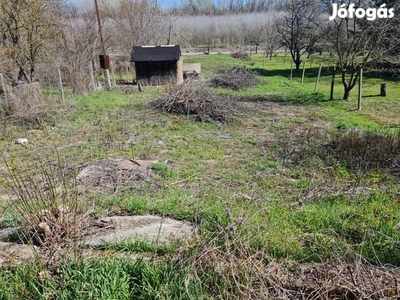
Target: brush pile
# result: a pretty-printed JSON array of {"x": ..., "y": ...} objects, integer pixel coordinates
[
  {"x": 235, "y": 78},
  {"x": 193, "y": 99},
  {"x": 240, "y": 55}
]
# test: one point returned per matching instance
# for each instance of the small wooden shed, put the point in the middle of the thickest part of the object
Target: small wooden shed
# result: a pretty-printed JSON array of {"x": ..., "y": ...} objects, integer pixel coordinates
[{"x": 157, "y": 65}]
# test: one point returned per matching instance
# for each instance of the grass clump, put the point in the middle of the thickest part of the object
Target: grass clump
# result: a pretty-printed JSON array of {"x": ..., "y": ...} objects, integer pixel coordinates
[
  {"x": 235, "y": 78},
  {"x": 100, "y": 279},
  {"x": 193, "y": 99}
]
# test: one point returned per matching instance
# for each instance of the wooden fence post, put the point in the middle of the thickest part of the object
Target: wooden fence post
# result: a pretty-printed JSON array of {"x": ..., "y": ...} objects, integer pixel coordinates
[
  {"x": 304, "y": 71},
  {"x": 332, "y": 83},
  {"x": 61, "y": 85},
  {"x": 112, "y": 73},
  {"x": 360, "y": 89},
  {"x": 92, "y": 83},
  {"x": 107, "y": 79},
  {"x": 318, "y": 77},
  {"x": 383, "y": 89}
]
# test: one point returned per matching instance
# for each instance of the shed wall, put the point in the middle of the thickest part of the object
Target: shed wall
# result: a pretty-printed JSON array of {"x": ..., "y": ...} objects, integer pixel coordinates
[{"x": 156, "y": 72}]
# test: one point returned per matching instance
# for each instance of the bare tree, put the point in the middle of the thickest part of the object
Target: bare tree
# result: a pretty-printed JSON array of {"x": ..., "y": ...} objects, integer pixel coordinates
[
  {"x": 79, "y": 42},
  {"x": 168, "y": 29},
  {"x": 256, "y": 35},
  {"x": 136, "y": 22},
  {"x": 357, "y": 42},
  {"x": 272, "y": 38},
  {"x": 298, "y": 28},
  {"x": 27, "y": 27}
]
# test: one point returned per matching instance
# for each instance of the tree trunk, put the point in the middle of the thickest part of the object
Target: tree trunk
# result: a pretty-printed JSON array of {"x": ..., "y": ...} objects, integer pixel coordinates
[
  {"x": 297, "y": 63},
  {"x": 346, "y": 93},
  {"x": 31, "y": 74},
  {"x": 22, "y": 75},
  {"x": 348, "y": 86}
]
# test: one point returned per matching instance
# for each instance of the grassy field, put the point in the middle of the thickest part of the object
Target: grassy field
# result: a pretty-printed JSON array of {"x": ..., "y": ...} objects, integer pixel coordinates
[{"x": 268, "y": 190}]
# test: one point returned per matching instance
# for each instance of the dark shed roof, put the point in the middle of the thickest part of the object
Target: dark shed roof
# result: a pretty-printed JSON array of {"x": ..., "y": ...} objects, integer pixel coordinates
[{"x": 155, "y": 53}]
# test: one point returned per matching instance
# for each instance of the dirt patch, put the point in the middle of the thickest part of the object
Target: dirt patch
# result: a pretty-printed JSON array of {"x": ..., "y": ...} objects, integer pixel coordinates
[
  {"x": 123, "y": 228},
  {"x": 113, "y": 175}
]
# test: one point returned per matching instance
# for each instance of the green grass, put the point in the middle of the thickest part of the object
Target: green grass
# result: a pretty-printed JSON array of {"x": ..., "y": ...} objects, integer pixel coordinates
[
  {"x": 257, "y": 184},
  {"x": 377, "y": 111},
  {"x": 99, "y": 279}
]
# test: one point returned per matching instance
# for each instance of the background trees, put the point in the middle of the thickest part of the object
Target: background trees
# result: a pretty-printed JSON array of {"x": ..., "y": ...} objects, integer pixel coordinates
[
  {"x": 133, "y": 22},
  {"x": 31, "y": 29},
  {"x": 356, "y": 42},
  {"x": 27, "y": 28},
  {"x": 298, "y": 28}
]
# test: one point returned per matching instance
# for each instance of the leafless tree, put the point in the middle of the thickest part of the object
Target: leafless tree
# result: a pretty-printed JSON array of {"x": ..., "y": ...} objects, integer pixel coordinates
[
  {"x": 256, "y": 35},
  {"x": 272, "y": 38},
  {"x": 298, "y": 28},
  {"x": 135, "y": 22},
  {"x": 26, "y": 29},
  {"x": 77, "y": 50},
  {"x": 357, "y": 42},
  {"x": 168, "y": 26}
]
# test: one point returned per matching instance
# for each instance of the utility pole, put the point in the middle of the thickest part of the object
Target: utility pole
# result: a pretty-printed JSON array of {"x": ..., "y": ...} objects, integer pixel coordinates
[{"x": 106, "y": 73}]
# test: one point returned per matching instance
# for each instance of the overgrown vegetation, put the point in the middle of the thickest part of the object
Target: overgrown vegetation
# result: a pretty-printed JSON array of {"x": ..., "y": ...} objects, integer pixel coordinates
[
  {"x": 295, "y": 200},
  {"x": 47, "y": 200}
]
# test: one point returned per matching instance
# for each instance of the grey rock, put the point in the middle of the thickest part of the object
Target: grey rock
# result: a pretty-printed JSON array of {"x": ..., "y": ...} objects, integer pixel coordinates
[{"x": 152, "y": 228}]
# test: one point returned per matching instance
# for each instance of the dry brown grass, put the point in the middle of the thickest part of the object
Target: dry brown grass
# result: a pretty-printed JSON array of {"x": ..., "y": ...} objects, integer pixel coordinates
[
  {"x": 229, "y": 270},
  {"x": 26, "y": 105},
  {"x": 367, "y": 151}
]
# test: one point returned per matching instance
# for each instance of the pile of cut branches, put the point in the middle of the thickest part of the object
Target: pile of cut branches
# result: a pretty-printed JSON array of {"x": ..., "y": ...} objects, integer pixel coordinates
[
  {"x": 193, "y": 99},
  {"x": 240, "y": 55},
  {"x": 235, "y": 78}
]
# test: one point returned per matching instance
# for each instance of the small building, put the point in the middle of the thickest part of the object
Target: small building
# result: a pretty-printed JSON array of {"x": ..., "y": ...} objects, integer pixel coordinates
[
  {"x": 157, "y": 65},
  {"x": 191, "y": 71}
]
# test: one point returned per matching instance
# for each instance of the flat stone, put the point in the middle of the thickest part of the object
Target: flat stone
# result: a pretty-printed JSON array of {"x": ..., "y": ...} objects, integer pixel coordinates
[
  {"x": 153, "y": 228},
  {"x": 6, "y": 232},
  {"x": 138, "y": 165},
  {"x": 11, "y": 253}
]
